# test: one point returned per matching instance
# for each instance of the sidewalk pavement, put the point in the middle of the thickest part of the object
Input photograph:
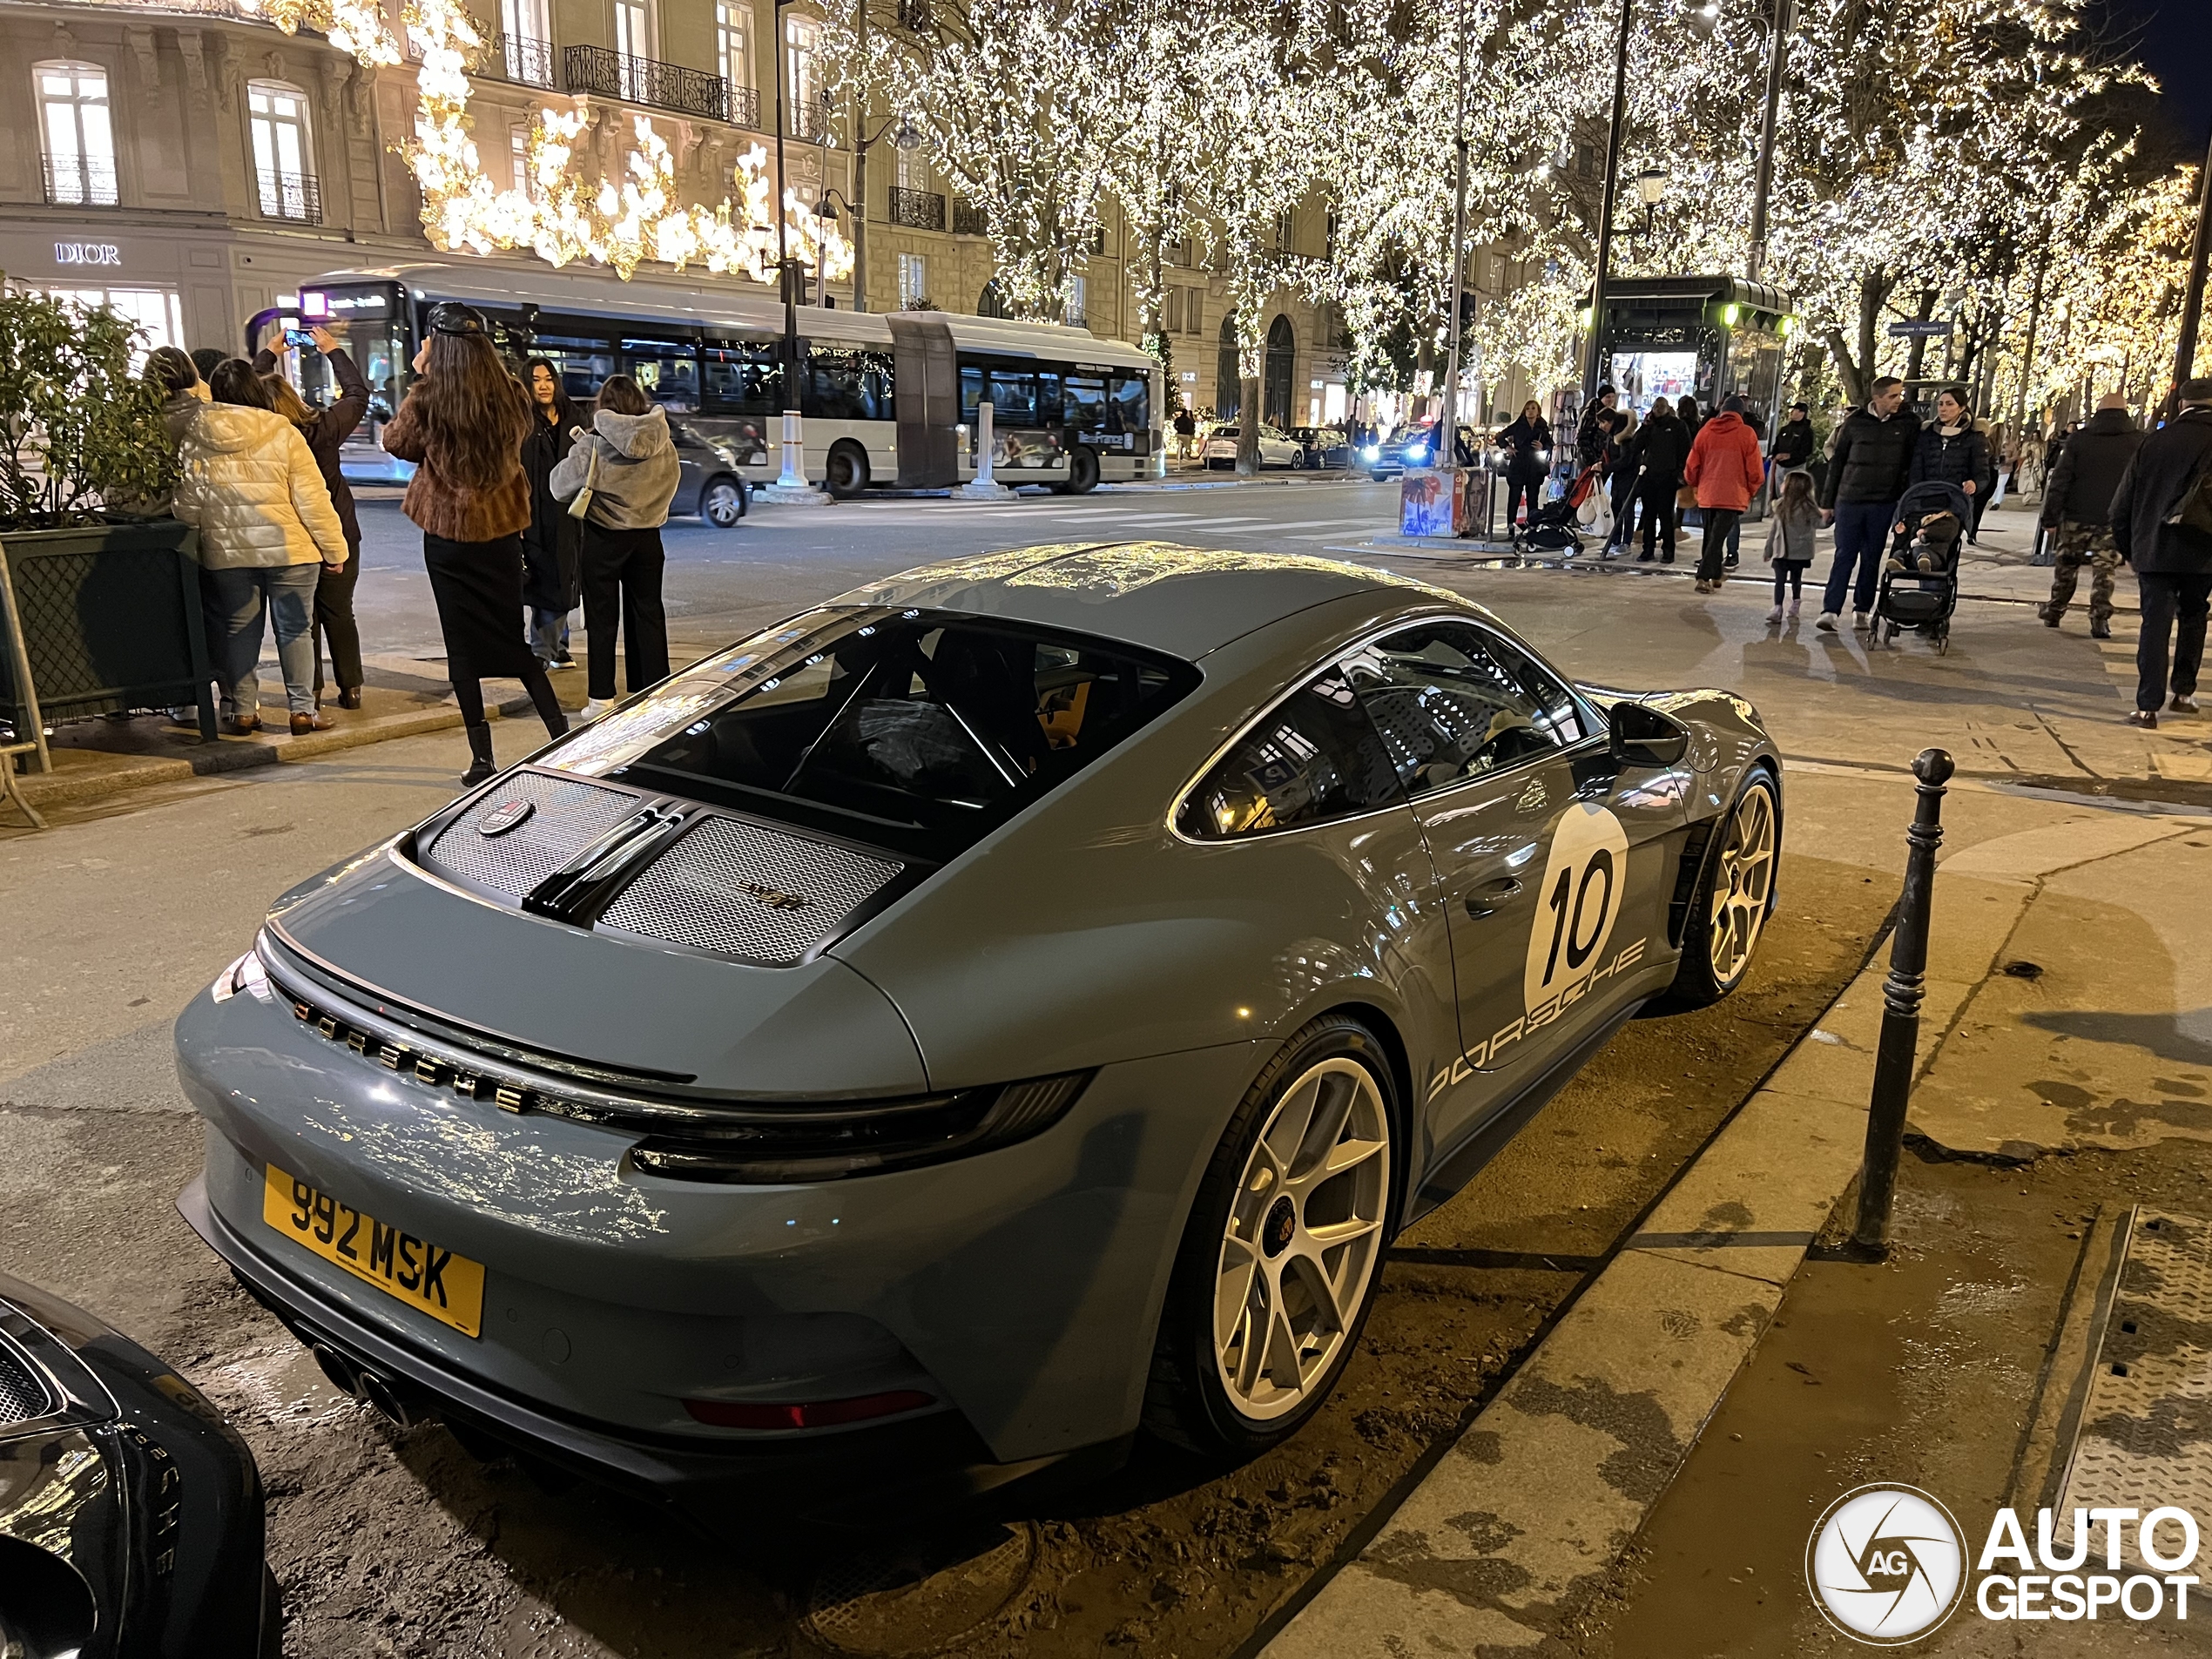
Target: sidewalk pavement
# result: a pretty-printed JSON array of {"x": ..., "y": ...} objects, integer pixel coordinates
[
  {"x": 93, "y": 759},
  {"x": 2066, "y": 1009}
]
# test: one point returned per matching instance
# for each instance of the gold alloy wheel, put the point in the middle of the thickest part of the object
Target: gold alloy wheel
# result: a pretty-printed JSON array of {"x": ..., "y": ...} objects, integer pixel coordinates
[
  {"x": 1305, "y": 1234},
  {"x": 1742, "y": 885}
]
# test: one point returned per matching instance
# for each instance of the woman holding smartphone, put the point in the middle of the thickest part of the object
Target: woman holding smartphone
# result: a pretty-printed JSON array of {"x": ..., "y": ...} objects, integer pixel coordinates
[
  {"x": 326, "y": 431},
  {"x": 462, "y": 424}
]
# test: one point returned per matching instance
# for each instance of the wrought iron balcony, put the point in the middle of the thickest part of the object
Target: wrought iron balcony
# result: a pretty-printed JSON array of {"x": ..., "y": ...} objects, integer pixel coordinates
[
  {"x": 645, "y": 80},
  {"x": 290, "y": 195},
  {"x": 522, "y": 59},
  {"x": 744, "y": 107},
  {"x": 811, "y": 121},
  {"x": 914, "y": 15},
  {"x": 918, "y": 210},
  {"x": 968, "y": 219},
  {"x": 79, "y": 181}
]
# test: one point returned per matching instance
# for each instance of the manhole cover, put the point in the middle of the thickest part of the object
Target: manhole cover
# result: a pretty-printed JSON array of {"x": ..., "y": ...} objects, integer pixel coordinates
[{"x": 920, "y": 1596}]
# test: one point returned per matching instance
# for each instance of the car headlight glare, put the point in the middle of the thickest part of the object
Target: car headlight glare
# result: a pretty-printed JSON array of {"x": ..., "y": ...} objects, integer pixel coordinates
[{"x": 1372, "y": 452}]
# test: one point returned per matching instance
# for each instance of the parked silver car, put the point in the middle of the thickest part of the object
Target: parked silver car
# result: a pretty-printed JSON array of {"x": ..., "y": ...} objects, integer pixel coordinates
[{"x": 1010, "y": 1004}]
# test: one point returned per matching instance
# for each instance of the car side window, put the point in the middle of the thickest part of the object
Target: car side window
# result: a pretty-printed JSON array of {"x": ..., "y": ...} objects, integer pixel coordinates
[
  {"x": 1452, "y": 703},
  {"x": 1564, "y": 713},
  {"x": 1315, "y": 756}
]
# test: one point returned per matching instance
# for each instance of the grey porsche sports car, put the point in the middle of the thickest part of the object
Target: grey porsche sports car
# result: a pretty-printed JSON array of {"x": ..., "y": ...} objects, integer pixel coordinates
[{"x": 1012, "y": 1004}]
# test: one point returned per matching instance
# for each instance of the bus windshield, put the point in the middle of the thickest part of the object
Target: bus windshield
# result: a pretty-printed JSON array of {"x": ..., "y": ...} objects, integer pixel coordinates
[{"x": 371, "y": 324}]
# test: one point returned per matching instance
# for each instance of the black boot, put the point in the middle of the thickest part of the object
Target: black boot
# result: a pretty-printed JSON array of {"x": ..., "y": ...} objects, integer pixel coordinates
[{"x": 480, "y": 765}]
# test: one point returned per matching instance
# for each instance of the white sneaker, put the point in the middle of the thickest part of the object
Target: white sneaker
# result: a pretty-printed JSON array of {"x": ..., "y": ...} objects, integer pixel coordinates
[
  {"x": 593, "y": 709},
  {"x": 1794, "y": 604},
  {"x": 2183, "y": 703},
  {"x": 1775, "y": 615},
  {"x": 1859, "y": 623},
  {"x": 1827, "y": 623}
]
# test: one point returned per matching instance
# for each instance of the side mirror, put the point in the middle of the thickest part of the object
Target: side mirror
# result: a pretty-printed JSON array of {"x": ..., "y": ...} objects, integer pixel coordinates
[{"x": 1642, "y": 736}]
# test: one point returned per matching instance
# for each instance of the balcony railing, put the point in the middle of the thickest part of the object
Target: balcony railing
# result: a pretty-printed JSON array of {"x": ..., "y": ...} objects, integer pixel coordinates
[
  {"x": 520, "y": 58},
  {"x": 290, "y": 195},
  {"x": 744, "y": 107},
  {"x": 918, "y": 210},
  {"x": 968, "y": 219},
  {"x": 810, "y": 119},
  {"x": 646, "y": 80},
  {"x": 79, "y": 181},
  {"x": 914, "y": 15}
]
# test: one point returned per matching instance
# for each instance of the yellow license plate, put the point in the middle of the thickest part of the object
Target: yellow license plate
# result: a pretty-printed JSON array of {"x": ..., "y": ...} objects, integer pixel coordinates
[{"x": 449, "y": 1288}]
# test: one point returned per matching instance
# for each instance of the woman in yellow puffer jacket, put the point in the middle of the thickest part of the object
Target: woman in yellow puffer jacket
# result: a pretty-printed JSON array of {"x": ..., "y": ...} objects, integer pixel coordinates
[{"x": 267, "y": 530}]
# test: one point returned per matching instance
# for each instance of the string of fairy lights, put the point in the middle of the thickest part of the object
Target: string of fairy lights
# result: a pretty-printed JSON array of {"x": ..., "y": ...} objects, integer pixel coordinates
[{"x": 620, "y": 221}]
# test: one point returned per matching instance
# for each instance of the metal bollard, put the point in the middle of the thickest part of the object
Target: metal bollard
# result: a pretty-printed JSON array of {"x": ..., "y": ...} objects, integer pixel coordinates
[{"x": 1901, "y": 994}]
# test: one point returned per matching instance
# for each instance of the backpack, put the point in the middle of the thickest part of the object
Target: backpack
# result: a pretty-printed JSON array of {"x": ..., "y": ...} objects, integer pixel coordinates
[{"x": 2193, "y": 510}]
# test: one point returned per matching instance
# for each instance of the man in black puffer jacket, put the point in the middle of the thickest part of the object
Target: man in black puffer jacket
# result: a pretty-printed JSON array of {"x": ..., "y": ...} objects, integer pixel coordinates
[
  {"x": 1874, "y": 449},
  {"x": 2077, "y": 509},
  {"x": 2172, "y": 563}
]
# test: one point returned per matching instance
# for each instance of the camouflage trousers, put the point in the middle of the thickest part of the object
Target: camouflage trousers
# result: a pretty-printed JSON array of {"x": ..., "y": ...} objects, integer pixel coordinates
[{"x": 2079, "y": 544}]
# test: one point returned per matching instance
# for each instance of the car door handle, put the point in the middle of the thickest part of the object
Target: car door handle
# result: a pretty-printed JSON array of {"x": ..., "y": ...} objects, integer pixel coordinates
[{"x": 1484, "y": 900}]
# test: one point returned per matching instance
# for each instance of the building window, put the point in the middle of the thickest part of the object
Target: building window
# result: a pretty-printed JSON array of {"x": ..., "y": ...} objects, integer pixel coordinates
[
  {"x": 1173, "y": 324},
  {"x": 633, "y": 29},
  {"x": 913, "y": 282},
  {"x": 733, "y": 43},
  {"x": 990, "y": 302},
  {"x": 910, "y": 169},
  {"x": 1197, "y": 311},
  {"x": 1283, "y": 232},
  {"x": 283, "y": 159},
  {"x": 1077, "y": 315},
  {"x": 525, "y": 42},
  {"x": 80, "y": 143},
  {"x": 518, "y": 151},
  {"x": 802, "y": 62},
  {"x": 159, "y": 312}
]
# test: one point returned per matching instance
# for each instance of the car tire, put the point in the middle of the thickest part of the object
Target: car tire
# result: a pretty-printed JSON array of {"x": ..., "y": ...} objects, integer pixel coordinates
[
  {"x": 722, "y": 501},
  {"x": 1082, "y": 470},
  {"x": 1297, "y": 461},
  {"x": 1309, "y": 1282},
  {"x": 847, "y": 473},
  {"x": 1735, "y": 896}
]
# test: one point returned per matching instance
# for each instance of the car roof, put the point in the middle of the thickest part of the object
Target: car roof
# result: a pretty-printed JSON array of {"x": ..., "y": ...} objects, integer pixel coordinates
[{"x": 1185, "y": 601}]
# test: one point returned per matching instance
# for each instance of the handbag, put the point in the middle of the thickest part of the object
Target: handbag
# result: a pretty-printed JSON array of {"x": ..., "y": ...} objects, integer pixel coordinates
[
  {"x": 1686, "y": 496},
  {"x": 582, "y": 504}
]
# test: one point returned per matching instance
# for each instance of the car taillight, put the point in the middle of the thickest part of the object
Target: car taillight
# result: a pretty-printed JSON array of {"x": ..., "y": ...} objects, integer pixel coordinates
[{"x": 821, "y": 1413}]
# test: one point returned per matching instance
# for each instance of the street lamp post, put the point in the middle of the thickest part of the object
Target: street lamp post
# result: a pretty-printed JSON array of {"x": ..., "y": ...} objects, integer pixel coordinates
[
  {"x": 1591, "y": 377},
  {"x": 826, "y": 215},
  {"x": 1778, "y": 50},
  {"x": 790, "y": 488}
]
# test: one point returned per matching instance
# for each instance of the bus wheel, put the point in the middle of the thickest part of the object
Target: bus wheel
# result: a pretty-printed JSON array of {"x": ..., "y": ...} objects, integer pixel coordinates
[
  {"x": 722, "y": 501},
  {"x": 848, "y": 471},
  {"x": 1082, "y": 470}
]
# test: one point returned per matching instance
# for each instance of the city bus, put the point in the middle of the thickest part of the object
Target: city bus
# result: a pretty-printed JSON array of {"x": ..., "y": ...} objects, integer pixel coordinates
[{"x": 890, "y": 400}]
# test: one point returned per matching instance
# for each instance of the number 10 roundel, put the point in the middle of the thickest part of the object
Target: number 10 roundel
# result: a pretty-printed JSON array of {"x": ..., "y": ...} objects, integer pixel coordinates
[{"x": 1583, "y": 892}]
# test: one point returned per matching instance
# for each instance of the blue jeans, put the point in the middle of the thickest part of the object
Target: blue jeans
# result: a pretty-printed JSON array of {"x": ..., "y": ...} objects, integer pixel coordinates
[
  {"x": 241, "y": 595},
  {"x": 1862, "y": 531}
]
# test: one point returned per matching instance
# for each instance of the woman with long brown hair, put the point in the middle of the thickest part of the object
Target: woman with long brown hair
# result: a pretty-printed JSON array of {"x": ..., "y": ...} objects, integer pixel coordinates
[{"x": 462, "y": 424}]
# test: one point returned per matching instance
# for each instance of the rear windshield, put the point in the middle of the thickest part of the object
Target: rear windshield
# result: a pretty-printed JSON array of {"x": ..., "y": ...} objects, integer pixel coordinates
[{"x": 918, "y": 731}]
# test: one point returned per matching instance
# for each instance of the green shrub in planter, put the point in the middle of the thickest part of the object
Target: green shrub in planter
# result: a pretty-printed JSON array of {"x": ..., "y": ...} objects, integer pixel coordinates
[{"x": 80, "y": 431}]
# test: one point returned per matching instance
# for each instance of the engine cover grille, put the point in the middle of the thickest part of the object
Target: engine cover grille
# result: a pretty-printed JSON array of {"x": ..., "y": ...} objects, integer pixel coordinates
[
  {"x": 566, "y": 816},
  {"x": 22, "y": 1396},
  {"x": 750, "y": 890}
]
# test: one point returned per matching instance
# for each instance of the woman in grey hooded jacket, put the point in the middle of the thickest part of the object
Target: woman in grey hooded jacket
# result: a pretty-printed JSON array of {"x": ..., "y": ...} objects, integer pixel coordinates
[{"x": 628, "y": 462}]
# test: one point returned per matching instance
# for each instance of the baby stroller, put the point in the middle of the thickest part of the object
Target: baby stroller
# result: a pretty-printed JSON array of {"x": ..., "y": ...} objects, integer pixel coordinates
[
  {"x": 1920, "y": 573},
  {"x": 1557, "y": 526}
]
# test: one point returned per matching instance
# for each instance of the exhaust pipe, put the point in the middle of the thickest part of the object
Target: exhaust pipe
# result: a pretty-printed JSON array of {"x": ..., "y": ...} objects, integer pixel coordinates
[{"x": 398, "y": 1403}]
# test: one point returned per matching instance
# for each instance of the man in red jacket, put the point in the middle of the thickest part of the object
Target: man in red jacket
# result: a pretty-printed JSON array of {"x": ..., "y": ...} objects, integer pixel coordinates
[{"x": 1726, "y": 469}]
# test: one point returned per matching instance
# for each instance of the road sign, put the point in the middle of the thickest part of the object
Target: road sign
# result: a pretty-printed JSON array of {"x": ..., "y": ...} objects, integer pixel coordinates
[{"x": 1931, "y": 328}]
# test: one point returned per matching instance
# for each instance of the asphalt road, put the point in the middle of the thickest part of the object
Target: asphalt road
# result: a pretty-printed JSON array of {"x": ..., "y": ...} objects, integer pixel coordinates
[{"x": 397, "y": 1543}]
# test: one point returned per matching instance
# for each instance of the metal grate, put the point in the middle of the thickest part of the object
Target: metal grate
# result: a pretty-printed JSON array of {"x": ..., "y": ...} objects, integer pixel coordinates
[
  {"x": 747, "y": 890},
  {"x": 921, "y": 210},
  {"x": 22, "y": 1396},
  {"x": 2146, "y": 1435},
  {"x": 568, "y": 816}
]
